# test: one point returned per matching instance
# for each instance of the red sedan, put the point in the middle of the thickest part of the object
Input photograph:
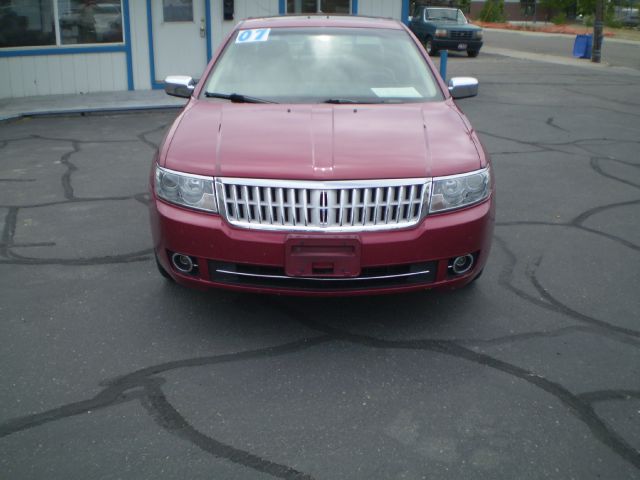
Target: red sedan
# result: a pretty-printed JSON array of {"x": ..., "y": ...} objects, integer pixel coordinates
[{"x": 321, "y": 156}]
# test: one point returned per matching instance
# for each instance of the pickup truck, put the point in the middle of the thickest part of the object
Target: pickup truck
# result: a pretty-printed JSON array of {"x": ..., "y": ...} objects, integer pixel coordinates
[{"x": 441, "y": 28}]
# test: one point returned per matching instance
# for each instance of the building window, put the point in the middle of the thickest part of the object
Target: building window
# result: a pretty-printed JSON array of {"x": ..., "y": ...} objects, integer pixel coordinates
[
  {"x": 30, "y": 23},
  {"x": 177, "y": 10},
  {"x": 319, "y": 6},
  {"x": 27, "y": 23}
]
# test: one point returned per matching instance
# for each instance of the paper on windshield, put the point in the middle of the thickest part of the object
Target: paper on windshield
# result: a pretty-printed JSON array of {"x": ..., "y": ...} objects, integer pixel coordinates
[{"x": 396, "y": 92}]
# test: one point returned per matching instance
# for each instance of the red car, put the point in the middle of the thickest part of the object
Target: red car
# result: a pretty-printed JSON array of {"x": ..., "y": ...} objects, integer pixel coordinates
[{"x": 321, "y": 156}]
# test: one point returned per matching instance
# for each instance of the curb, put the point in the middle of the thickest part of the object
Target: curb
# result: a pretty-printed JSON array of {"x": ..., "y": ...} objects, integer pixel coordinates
[
  {"x": 565, "y": 61},
  {"x": 88, "y": 111}
]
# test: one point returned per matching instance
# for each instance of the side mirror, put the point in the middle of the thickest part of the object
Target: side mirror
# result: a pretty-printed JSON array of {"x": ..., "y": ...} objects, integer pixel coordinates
[
  {"x": 463, "y": 87},
  {"x": 179, "y": 85}
]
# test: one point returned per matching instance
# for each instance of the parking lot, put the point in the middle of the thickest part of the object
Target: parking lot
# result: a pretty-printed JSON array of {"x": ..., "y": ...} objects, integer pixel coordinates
[{"x": 109, "y": 371}]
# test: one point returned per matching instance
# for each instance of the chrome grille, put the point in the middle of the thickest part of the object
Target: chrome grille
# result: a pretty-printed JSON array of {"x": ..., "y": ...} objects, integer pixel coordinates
[
  {"x": 461, "y": 34},
  {"x": 322, "y": 206}
]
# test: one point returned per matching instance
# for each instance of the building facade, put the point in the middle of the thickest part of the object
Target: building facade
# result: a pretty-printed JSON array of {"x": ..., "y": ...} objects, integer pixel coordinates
[
  {"x": 517, "y": 10},
  {"x": 50, "y": 47}
]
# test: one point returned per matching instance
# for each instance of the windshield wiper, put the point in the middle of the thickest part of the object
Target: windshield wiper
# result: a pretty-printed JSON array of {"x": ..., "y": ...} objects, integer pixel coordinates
[
  {"x": 348, "y": 101},
  {"x": 237, "y": 98}
]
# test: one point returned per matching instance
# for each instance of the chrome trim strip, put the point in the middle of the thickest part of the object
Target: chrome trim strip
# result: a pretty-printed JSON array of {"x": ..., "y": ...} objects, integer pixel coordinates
[
  {"x": 329, "y": 185},
  {"x": 325, "y": 279}
]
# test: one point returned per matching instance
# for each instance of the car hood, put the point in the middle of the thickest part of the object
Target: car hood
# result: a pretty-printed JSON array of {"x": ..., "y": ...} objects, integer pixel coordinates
[
  {"x": 321, "y": 142},
  {"x": 451, "y": 25}
]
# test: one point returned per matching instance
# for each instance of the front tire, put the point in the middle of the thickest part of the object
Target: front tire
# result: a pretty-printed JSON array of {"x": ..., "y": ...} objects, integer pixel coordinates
[
  {"x": 476, "y": 277},
  {"x": 473, "y": 53},
  {"x": 428, "y": 45},
  {"x": 162, "y": 271}
]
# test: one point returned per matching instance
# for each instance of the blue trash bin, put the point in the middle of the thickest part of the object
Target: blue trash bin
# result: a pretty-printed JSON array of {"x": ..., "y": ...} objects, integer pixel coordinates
[{"x": 582, "y": 46}]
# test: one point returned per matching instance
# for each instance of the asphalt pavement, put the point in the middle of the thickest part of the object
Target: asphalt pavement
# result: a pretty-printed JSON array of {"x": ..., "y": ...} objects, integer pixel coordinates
[{"x": 108, "y": 371}]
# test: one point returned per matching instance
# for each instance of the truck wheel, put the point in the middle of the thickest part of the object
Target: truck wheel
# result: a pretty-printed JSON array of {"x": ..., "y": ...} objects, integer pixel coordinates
[
  {"x": 473, "y": 53},
  {"x": 428, "y": 45}
]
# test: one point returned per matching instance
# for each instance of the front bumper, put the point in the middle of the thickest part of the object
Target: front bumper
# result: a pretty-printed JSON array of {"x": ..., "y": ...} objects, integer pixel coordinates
[
  {"x": 254, "y": 260},
  {"x": 457, "y": 44}
]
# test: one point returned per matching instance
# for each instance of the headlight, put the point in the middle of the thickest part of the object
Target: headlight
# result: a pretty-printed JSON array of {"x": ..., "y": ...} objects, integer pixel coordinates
[
  {"x": 458, "y": 191},
  {"x": 477, "y": 34},
  {"x": 193, "y": 191},
  {"x": 440, "y": 32}
]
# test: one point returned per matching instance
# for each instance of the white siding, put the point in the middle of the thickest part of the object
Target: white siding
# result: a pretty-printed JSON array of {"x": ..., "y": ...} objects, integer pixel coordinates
[
  {"x": 381, "y": 8},
  {"x": 139, "y": 44},
  {"x": 243, "y": 9},
  {"x": 54, "y": 74}
]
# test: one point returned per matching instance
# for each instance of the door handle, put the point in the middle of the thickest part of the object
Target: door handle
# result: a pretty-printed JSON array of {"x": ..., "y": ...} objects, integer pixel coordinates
[{"x": 203, "y": 29}]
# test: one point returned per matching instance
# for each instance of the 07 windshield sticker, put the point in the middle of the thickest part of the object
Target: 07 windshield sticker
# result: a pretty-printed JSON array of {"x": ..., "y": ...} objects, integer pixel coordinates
[
  {"x": 254, "y": 35},
  {"x": 397, "y": 92}
]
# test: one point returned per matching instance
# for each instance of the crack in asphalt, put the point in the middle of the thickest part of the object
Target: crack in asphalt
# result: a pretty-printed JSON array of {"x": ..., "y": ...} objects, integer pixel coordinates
[
  {"x": 577, "y": 406},
  {"x": 595, "y": 165},
  {"x": 66, "y": 177},
  {"x": 143, "y": 137},
  {"x": 626, "y": 102},
  {"x": 170, "y": 419},
  {"x": 140, "y": 197},
  {"x": 9, "y": 257},
  {"x": 145, "y": 385},
  {"x": 551, "y": 122},
  {"x": 548, "y": 302},
  {"x": 609, "y": 395},
  {"x": 493, "y": 102}
]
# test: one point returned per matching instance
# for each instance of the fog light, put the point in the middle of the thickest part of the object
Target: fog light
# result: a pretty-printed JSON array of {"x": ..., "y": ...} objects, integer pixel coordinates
[
  {"x": 462, "y": 264},
  {"x": 183, "y": 263}
]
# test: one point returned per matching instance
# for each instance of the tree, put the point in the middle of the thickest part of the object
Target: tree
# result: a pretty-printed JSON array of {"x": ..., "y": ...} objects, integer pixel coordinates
[{"x": 493, "y": 11}]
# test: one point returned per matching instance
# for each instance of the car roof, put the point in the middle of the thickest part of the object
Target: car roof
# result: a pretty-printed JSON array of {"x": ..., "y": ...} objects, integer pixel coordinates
[{"x": 353, "y": 21}]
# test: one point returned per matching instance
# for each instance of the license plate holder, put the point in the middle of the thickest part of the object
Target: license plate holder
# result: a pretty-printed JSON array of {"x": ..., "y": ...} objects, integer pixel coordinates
[
  {"x": 332, "y": 257},
  {"x": 462, "y": 46}
]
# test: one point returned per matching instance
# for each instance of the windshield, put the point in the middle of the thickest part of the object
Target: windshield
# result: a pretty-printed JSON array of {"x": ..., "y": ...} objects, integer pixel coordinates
[
  {"x": 315, "y": 65},
  {"x": 447, "y": 14}
]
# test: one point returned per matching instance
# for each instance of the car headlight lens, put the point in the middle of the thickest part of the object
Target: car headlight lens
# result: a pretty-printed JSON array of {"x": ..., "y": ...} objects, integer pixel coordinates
[
  {"x": 441, "y": 32},
  {"x": 477, "y": 34},
  {"x": 457, "y": 191},
  {"x": 193, "y": 191}
]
